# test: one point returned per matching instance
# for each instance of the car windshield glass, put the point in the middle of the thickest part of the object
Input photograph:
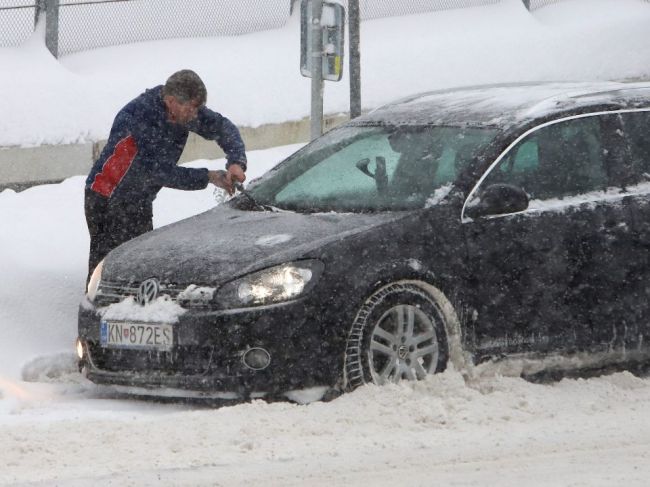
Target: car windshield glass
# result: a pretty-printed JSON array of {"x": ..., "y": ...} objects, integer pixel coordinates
[{"x": 371, "y": 168}]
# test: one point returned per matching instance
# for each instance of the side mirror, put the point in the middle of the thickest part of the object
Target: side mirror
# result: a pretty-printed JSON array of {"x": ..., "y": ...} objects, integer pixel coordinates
[{"x": 498, "y": 199}]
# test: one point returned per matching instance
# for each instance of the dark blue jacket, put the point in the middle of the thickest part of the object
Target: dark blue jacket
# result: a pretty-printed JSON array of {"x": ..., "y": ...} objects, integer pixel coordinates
[{"x": 144, "y": 147}]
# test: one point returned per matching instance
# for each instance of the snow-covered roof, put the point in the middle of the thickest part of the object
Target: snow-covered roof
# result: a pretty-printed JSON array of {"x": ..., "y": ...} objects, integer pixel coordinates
[{"x": 503, "y": 105}]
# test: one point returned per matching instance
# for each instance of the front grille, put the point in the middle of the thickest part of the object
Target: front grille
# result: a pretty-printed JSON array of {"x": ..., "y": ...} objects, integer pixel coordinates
[
  {"x": 188, "y": 360},
  {"x": 114, "y": 292}
]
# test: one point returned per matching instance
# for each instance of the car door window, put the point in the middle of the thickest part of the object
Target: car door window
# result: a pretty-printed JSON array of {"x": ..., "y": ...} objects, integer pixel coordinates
[
  {"x": 637, "y": 132},
  {"x": 556, "y": 161}
]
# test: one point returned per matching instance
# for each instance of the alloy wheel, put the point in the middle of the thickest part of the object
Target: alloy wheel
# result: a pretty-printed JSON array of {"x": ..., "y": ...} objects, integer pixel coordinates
[{"x": 403, "y": 345}]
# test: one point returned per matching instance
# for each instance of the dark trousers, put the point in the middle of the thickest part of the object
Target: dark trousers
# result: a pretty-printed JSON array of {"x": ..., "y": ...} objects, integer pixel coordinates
[{"x": 111, "y": 224}]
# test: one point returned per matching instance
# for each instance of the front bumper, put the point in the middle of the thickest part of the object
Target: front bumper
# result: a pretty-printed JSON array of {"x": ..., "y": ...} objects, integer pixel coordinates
[{"x": 208, "y": 348}]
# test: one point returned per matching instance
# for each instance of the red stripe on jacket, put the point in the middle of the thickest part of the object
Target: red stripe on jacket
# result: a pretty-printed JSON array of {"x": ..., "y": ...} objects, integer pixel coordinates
[{"x": 115, "y": 167}]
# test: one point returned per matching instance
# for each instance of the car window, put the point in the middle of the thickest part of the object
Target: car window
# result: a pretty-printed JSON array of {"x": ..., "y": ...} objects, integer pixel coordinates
[
  {"x": 338, "y": 174},
  {"x": 372, "y": 168},
  {"x": 637, "y": 132},
  {"x": 556, "y": 161}
]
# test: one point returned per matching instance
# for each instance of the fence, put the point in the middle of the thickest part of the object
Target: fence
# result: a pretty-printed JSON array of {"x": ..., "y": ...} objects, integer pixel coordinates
[
  {"x": 76, "y": 25},
  {"x": 16, "y": 21},
  {"x": 373, "y": 9},
  {"x": 97, "y": 23}
]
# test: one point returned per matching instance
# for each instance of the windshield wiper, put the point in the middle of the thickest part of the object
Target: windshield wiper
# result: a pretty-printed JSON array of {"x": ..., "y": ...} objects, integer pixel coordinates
[{"x": 240, "y": 187}]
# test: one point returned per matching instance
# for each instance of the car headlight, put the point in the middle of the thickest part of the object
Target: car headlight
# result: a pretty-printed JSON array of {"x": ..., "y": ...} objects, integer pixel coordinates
[
  {"x": 273, "y": 285},
  {"x": 95, "y": 279}
]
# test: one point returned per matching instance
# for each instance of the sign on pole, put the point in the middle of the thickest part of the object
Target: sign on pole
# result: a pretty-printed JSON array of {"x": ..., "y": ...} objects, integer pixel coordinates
[
  {"x": 321, "y": 51},
  {"x": 332, "y": 27}
]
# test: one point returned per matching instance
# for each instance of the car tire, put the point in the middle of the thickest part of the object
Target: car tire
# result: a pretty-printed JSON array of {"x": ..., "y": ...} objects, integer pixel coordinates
[{"x": 399, "y": 333}]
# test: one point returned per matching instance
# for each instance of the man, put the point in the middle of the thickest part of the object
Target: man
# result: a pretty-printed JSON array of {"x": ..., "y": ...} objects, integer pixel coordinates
[{"x": 141, "y": 156}]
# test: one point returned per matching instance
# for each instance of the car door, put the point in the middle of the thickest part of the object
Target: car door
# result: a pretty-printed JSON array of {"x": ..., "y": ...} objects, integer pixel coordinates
[
  {"x": 630, "y": 299},
  {"x": 537, "y": 274}
]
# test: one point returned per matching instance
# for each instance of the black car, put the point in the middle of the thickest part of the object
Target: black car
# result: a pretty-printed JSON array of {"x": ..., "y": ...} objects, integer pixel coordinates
[{"x": 507, "y": 223}]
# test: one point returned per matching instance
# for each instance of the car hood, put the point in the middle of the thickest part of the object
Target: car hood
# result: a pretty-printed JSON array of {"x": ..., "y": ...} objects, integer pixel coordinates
[{"x": 224, "y": 243}]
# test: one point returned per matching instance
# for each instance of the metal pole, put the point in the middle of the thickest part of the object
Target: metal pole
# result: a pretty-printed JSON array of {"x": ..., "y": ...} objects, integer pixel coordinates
[
  {"x": 39, "y": 8},
  {"x": 52, "y": 26},
  {"x": 316, "y": 69},
  {"x": 355, "y": 58}
]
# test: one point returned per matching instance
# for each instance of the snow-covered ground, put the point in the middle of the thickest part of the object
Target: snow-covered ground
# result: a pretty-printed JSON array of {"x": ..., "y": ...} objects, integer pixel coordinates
[
  {"x": 499, "y": 431},
  {"x": 57, "y": 429}
]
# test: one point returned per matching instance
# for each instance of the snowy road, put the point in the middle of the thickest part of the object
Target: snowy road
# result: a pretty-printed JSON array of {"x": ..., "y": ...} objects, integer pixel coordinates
[{"x": 496, "y": 431}]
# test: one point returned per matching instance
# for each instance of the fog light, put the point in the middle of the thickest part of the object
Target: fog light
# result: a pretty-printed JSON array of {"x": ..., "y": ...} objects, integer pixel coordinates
[
  {"x": 80, "y": 349},
  {"x": 256, "y": 358}
]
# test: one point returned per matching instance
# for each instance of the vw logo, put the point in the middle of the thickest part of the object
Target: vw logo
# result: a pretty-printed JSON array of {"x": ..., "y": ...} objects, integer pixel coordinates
[{"x": 148, "y": 291}]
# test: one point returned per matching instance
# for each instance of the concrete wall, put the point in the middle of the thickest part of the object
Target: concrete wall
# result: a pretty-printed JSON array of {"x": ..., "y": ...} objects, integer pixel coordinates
[{"x": 24, "y": 167}]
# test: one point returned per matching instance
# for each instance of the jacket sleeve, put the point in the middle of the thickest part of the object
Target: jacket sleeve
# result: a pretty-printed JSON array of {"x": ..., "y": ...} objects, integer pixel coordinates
[
  {"x": 214, "y": 126},
  {"x": 178, "y": 177}
]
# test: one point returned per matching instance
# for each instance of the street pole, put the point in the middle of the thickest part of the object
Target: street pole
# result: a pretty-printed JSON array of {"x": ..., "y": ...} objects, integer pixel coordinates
[
  {"x": 52, "y": 26},
  {"x": 355, "y": 58},
  {"x": 316, "y": 69},
  {"x": 39, "y": 8}
]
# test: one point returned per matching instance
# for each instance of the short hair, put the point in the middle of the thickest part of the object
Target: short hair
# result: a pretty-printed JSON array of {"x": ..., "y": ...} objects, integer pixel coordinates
[{"x": 186, "y": 86}]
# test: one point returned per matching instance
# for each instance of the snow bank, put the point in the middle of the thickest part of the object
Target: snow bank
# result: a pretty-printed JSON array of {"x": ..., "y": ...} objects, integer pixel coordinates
[{"x": 500, "y": 431}]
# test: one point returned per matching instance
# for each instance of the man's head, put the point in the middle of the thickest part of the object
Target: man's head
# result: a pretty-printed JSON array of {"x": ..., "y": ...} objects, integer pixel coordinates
[{"x": 184, "y": 93}]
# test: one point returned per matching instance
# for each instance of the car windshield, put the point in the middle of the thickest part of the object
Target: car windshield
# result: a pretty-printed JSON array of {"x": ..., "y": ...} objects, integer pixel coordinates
[{"x": 371, "y": 168}]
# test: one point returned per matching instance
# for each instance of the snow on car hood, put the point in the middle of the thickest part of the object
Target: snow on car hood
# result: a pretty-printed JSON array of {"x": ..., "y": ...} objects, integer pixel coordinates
[{"x": 223, "y": 243}]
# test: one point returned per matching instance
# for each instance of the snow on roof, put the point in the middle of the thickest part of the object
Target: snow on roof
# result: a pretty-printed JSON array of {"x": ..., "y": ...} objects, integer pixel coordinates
[{"x": 507, "y": 104}]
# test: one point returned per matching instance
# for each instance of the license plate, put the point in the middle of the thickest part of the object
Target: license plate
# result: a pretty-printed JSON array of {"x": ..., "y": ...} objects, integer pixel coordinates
[{"x": 115, "y": 334}]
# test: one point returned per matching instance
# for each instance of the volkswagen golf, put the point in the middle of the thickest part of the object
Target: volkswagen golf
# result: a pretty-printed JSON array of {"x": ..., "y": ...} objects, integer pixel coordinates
[{"x": 505, "y": 223}]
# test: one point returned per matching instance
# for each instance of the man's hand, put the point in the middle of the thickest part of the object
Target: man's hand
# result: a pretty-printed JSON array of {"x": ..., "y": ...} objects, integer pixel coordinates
[
  {"x": 236, "y": 173},
  {"x": 221, "y": 179},
  {"x": 227, "y": 179}
]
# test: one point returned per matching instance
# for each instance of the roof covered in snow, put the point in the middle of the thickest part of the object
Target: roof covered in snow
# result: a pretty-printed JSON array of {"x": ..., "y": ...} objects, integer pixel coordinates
[{"x": 503, "y": 105}]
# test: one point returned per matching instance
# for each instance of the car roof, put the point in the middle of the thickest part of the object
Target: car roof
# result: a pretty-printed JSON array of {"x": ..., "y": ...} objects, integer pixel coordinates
[{"x": 505, "y": 105}]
